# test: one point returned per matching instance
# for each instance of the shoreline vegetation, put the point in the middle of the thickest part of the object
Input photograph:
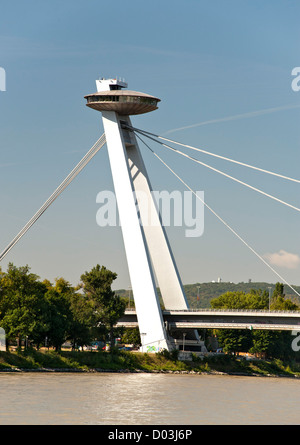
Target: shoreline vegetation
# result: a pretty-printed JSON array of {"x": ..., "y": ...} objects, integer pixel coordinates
[
  {"x": 31, "y": 360},
  {"x": 40, "y": 317}
]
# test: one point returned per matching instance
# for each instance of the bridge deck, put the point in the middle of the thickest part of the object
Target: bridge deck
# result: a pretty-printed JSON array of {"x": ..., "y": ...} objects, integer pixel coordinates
[{"x": 223, "y": 319}]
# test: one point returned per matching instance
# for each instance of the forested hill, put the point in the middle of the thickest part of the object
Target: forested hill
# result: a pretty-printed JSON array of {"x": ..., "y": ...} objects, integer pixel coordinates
[{"x": 207, "y": 291}]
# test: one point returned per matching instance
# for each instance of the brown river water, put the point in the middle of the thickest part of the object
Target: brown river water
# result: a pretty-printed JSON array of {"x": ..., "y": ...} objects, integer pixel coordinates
[{"x": 147, "y": 399}]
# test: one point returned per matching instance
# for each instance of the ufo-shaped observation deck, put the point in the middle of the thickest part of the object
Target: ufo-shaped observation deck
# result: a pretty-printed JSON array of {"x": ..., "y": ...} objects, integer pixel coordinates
[{"x": 123, "y": 102}]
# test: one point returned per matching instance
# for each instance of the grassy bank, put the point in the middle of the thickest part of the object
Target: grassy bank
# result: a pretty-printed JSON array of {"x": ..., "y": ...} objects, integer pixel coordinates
[{"x": 32, "y": 360}]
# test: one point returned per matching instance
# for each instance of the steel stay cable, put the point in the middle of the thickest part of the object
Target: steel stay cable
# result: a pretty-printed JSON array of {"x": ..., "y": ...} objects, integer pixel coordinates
[
  {"x": 56, "y": 193},
  {"x": 217, "y": 156},
  {"x": 76, "y": 170},
  {"x": 220, "y": 218},
  {"x": 222, "y": 173}
]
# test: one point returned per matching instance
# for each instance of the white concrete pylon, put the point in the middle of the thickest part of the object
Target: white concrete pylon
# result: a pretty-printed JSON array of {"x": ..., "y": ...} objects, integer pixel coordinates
[
  {"x": 162, "y": 259},
  {"x": 151, "y": 324},
  {"x": 148, "y": 252}
]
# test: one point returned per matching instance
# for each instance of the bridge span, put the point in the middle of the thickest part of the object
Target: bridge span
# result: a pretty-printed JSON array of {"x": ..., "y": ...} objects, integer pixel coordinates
[{"x": 222, "y": 319}]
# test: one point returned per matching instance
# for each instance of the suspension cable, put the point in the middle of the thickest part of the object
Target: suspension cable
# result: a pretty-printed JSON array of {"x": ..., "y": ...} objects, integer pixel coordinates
[
  {"x": 76, "y": 170},
  {"x": 222, "y": 173},
  {"x": 219, "y": 217},
  {"x": 217, "y": 156}
]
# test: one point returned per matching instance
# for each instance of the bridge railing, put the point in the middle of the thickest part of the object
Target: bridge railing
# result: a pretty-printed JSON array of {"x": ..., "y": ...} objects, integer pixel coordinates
[
  {"x": 265, "y": 311},
  {"x": 231, "y": 310}
]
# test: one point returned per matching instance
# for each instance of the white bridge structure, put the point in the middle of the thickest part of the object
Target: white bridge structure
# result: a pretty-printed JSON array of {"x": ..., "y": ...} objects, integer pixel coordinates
[
  {"x": 148, "y": 251},
  {"x": 183, "y": 321},
  {"x": 149, "y": 256},
  {"x": 222, "y": 319}
]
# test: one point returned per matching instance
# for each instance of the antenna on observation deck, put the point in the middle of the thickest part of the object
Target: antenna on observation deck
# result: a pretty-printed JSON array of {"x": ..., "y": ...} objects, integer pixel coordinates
[{"x": 116, "y": 83}]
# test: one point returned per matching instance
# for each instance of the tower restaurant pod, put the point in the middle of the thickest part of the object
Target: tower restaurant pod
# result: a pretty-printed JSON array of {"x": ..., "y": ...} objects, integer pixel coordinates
[{"x": 111, "y": 97}]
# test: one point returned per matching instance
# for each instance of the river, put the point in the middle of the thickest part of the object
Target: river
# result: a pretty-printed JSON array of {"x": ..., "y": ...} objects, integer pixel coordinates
[{"x": 147, "y": 399}]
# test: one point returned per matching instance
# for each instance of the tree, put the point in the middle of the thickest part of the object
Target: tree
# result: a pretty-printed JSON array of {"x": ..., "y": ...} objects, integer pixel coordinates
[
  {"x": 57, "y": 317},
  {"x": 81, "y": 325},
  {"x": 262, "y": 342},
  {"x": 272, "y": 344},
  {"x": 35, "y": 310},
  {"x": 234, "y": 340},
  {"x": 255, "y": 299},
  {"x": 279, "y": 302},
  {"x": 278, "y": 291},
  {"x": 108, "y": 307},
  {"x": 131, "y": 335},
  {"x": 21, "y": 303}
]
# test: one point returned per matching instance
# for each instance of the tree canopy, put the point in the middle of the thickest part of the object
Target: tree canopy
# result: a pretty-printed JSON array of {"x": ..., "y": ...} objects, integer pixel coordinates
[
  {"x": 108, "y": 307},
  {"x": 270, "y": 343},
  {"x": 43, "y": 313},
  {"x": 255, "y": 299}
]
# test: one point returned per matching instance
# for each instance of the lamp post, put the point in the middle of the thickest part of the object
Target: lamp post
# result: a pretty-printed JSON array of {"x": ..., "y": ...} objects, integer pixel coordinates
[
  {"x": 184, "y": 334},
  {"x": 143, "y": 336},
  {"x": 129, "y": 294},
  {"x": 269, "y": 297}
]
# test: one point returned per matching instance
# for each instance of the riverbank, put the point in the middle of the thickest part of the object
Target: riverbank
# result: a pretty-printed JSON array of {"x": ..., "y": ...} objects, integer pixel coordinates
[{"x": 123, "y": 361}]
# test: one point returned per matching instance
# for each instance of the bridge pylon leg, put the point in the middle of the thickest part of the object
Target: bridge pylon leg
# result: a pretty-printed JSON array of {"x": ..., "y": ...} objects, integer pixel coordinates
[{"x": 150, "y": 320}]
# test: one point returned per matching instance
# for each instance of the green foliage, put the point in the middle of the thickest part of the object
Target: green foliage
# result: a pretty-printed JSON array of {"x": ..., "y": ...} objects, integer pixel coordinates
[
  {"x": 133, "y": 362},
  {"x": 131, "y": 336},
  {"x": 21, "y": 303},
  {"x": 207, "y": 291},
  {"x": 235, "y": 340},
  {"x": 270, "y": 343},
  {"x": 255, "y": 299},
  {"x": 108, "y": 307},
  {"x": 170, "y": 355},
  {"x": 42, "y": 313},
  {"x": 279, "y": 302},
  {"x": 81, "y": 327}
]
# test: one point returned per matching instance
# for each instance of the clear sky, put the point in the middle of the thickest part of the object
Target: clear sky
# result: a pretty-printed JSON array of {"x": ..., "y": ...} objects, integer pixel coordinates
[{"x": 215, "y": 66}]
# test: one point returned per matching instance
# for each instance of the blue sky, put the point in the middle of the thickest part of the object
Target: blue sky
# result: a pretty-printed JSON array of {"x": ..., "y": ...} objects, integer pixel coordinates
[{"x": 207, "y": 62}]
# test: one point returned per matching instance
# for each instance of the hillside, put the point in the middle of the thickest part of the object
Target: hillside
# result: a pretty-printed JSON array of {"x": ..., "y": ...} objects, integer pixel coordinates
[{"x": 208, "y": 291}]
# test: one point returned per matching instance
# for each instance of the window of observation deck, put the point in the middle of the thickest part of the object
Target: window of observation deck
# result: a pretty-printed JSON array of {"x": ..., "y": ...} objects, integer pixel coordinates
[{"x": 122, "y": 99}]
